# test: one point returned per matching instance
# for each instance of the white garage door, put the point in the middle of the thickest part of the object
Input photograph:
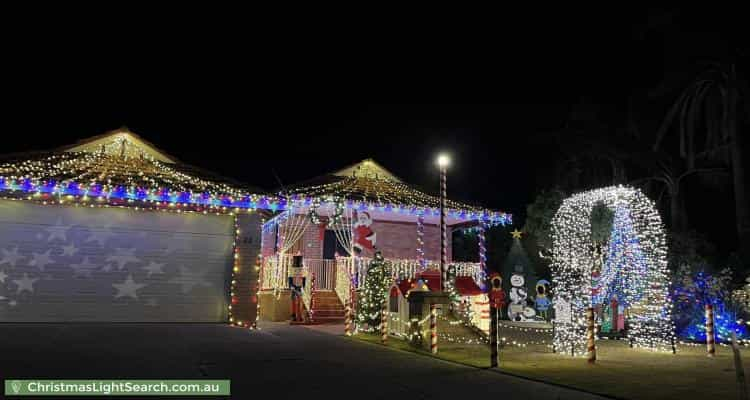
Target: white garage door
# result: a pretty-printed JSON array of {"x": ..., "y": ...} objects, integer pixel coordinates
[{"x": 60, "y": 263}]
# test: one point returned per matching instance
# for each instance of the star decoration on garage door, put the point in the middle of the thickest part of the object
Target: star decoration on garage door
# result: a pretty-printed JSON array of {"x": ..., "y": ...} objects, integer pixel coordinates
[
  {"x": 58, "y": 231},
  {"x": 128, "y": 288},
  {"x": 189, "y": 279},
  {"x": 77, "y": 261}
]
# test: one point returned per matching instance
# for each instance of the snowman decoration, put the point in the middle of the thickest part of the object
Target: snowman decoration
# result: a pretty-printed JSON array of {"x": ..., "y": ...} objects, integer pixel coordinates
[{"x": 518, "y": 309}]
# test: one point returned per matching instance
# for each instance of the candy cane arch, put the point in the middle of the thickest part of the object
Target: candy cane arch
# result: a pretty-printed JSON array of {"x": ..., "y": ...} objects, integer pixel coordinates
[{"x": 650, "y": 319}]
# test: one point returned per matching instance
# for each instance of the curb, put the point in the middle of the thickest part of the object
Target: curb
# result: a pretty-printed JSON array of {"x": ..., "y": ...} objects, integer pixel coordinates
[{"x": 493, "y": 370}]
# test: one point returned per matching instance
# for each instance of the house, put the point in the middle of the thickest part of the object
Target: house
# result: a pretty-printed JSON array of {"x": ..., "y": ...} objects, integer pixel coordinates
[
  {"x": 338, "y": 221},
  {"x": 114, "y": 229}
]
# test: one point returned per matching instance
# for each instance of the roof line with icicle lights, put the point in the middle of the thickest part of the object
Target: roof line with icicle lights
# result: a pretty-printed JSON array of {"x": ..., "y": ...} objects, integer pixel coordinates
[
  {"x": 120, "y": 168},
  {"x": 369, "y": 186}
]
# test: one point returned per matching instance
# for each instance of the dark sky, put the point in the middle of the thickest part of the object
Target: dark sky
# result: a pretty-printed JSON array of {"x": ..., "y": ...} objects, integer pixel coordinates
[{"x": 305, "y": 97}]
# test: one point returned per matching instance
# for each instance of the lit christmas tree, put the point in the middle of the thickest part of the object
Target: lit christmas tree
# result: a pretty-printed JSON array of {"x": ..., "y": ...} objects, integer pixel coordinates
[
  {"x": 373, "y": 294},
  {"x": 518, "y": 262},
  {"x": 625, "y": 271}
]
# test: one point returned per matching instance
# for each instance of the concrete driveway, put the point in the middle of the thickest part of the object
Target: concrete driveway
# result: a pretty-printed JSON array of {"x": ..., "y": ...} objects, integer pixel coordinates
[{"x": 280, "y": 360}]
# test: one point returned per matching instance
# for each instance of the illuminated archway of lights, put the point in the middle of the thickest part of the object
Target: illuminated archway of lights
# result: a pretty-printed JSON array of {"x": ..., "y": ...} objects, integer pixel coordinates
[{"x": 641, "y": 263}]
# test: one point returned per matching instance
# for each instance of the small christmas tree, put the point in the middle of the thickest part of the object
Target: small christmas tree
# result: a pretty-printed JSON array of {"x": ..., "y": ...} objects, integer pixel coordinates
[
  {"x": 373, "y": 294},
  {"x": 518, "y": 262}
]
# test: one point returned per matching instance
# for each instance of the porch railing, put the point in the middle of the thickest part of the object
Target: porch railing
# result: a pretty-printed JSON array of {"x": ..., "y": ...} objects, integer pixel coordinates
[
  {"x": 325, "y": 273},
  {"x": 343, "y": 272},
  {"x": 276, "y": 270},
  {"x": 345, "y": 267}
]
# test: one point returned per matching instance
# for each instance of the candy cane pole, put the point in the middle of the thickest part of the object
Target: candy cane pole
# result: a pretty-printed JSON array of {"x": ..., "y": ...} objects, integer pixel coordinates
[
  {"x": 433, "y": 329},
  {"x": 591, "y": 344},
  {"x": 443, "y": 229},
  {"x": 710, "y": 345},
  {"x": 493, "y": 335},
  {"x": 482, "y": 252},
  {"x": 348, "y": 319},
  {"x": 312, "y": 296},
  {"x": 384, "y": 324},
  {"x": 353, "y": 308}
]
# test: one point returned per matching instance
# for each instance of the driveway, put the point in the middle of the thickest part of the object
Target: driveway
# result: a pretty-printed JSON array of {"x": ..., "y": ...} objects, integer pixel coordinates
[{"x": 280, "y": 360}]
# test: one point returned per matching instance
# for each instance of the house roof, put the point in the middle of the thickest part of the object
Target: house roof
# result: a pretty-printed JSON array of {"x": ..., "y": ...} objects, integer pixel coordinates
[
  {"x": 465, "y": 285},
  {"x": 116, "y": 158},
  {"x": 369, "y": 182}
]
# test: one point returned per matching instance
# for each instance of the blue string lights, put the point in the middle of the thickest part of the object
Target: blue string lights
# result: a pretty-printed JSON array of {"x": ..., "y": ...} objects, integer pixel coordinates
[{"x": 49, "y": 189}]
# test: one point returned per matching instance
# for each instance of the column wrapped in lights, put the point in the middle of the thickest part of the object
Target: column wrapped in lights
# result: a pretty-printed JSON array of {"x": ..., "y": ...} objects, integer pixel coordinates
[
  {"x": 420, "y": 241},
  {"x": 649, "y": 318},
  {"x": 233, "y": 300},
  {"x": 482, "y": 278}
]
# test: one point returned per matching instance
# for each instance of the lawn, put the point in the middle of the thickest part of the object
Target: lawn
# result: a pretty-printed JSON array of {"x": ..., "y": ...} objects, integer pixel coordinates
[{"x": 619, "y": 371}]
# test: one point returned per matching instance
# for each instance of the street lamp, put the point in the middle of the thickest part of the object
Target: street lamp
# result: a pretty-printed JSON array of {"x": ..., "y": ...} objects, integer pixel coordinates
[{"x": 443, "y": 160}]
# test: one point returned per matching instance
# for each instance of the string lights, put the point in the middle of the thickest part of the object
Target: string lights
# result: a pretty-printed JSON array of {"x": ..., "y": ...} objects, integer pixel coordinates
[
  {"x": 119, "y": 173},
  {"x": 640, "y": 249}
]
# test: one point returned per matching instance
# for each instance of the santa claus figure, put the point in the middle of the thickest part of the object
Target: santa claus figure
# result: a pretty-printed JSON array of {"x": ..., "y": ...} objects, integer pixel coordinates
[{"x": 364, "y": 236}]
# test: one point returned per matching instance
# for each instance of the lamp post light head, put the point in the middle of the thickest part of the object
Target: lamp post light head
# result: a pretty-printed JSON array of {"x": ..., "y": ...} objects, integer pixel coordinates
[{"x": 443, "y": 160}]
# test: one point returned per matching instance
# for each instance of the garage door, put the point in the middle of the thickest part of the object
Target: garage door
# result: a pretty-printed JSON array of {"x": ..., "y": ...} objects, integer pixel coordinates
[{"x": 60, "y": 263}]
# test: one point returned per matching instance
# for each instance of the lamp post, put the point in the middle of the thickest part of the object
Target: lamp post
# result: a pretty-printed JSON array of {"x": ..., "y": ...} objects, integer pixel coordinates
[{"x": 443, "y": 161}]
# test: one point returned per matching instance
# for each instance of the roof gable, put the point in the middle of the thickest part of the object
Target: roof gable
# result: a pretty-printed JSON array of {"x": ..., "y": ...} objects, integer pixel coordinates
[
  {"x": 121, "y": 142},
  {"x": 367, "y": 168}
]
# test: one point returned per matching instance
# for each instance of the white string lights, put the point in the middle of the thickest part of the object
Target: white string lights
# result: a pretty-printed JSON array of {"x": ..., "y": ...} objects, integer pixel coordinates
[{"x": 573, "y": 253}]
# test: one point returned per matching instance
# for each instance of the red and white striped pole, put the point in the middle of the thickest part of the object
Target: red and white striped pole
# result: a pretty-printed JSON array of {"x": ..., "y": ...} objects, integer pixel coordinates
[
  {"x": 710, "y": 335},
  {"x": 384, "y": 324},
  {"x": 433, "y": 329},
  {"x": 348, "y": 319},
  {"x": 590, "y": 340},
  {"x": 312, "y": 296},
  {"x": 353, "y": 307},
  {"x": 443, "y": 229}
]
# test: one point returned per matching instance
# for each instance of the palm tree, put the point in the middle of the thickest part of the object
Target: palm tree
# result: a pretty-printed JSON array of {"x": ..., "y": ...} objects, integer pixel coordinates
[{"x": 707, "y": 111}]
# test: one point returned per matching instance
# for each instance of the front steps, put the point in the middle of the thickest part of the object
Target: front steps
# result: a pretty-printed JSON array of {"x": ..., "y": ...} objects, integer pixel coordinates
[{"x": 327, "y": 309}]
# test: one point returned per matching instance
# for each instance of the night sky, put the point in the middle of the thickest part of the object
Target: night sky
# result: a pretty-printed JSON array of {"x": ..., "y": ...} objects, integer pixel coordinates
[{"x": 248, "y": 101}]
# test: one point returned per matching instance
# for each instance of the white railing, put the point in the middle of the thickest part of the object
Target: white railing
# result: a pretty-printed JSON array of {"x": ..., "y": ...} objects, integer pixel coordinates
[
  {"x": 276, "y": 271},
  {"x": 345, "y": 267},
  {"x": 325, "y": 273},
  {"x": 341, "y": 273},
  {"x": 471, "y": 269}
]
